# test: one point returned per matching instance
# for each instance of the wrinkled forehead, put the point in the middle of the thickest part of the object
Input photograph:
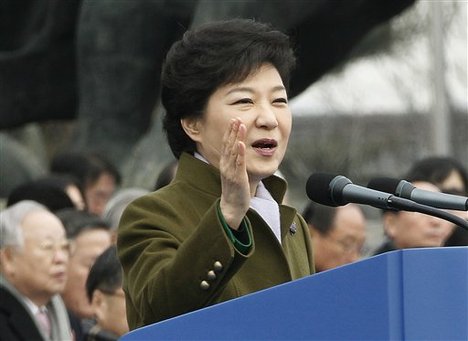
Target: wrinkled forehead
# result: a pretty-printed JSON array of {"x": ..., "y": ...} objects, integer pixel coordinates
[{"x": 42, "y": 224}]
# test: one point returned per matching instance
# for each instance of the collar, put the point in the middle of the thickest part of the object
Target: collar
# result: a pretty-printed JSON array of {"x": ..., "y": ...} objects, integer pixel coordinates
[
  {"x": 30, "y": 305},
  {"x": 192, "y": 168}
]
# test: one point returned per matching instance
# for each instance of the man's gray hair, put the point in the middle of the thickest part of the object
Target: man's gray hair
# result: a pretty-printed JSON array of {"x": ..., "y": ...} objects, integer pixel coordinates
[
  {"x": 119, "y": 201},
  {"x": 10, "y": 222}
]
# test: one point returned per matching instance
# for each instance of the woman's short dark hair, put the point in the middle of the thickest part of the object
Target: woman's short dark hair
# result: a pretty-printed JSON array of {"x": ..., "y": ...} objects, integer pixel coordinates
[
  {"x": 210, "y": 56},
  {"x": 436, "y": 169}
]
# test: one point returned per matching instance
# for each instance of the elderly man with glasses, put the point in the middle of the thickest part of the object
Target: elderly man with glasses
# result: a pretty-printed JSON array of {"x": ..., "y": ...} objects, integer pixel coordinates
[{"x": 33, "y": 272}]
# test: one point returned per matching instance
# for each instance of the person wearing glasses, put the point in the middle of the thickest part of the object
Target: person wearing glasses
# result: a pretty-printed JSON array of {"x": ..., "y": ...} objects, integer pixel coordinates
[
  {"x": 338, "y": 234},
  {"x": 450, "y": 176},
  {"x": 34, "y": 253},
  {"x": 107, "y": 298},
  {"x": 404, "y": 229}
]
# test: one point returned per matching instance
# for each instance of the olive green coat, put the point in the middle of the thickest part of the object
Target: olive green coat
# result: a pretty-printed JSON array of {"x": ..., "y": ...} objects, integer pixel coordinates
[{"x": 177, "y": 257}]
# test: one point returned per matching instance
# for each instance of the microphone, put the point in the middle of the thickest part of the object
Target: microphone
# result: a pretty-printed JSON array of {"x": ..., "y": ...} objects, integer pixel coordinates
[
  {"x": 337, "y": 190},
  {"x": 405, "y": 189}
]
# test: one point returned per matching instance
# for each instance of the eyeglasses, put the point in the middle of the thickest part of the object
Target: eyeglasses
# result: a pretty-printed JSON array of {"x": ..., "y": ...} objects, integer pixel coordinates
[
  {"x": 52, "y": 248},
  {"x": 348, "y": 246}
]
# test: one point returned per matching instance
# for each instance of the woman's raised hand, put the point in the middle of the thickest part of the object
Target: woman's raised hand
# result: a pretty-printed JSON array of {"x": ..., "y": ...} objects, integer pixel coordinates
[{"x": 235, "y": 196}]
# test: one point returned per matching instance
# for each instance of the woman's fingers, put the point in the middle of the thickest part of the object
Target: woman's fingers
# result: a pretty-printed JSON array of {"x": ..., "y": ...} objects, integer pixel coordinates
[
  {"x": 241, "y": 132},
  {"x": 230, "y": 149},
  {"x": 235, "y": 197}
]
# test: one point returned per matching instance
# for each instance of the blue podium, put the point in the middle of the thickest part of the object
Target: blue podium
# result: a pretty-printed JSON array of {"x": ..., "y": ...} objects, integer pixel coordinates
[{"x": 412, "y": 294}]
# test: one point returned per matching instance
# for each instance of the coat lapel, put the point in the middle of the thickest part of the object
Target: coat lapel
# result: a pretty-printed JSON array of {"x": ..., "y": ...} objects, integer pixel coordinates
[{"x": 18, "y": 317}]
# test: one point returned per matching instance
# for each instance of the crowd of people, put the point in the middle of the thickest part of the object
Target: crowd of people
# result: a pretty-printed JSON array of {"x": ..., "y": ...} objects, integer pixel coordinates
[
  {"x": 55, "y": 229},
  {"x": 83, "y": 259}
]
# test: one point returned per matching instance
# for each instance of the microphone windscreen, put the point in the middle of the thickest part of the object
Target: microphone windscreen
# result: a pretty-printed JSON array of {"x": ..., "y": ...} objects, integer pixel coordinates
[
  {"x": 318, "y": 188},
  {"x": 387, "y": 185}
]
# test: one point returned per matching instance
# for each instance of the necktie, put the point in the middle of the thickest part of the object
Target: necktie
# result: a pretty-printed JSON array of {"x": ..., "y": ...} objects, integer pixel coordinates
[{"x": 44, "y": 320}]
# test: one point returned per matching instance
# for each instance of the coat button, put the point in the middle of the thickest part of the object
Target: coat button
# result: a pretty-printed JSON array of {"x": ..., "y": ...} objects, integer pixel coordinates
[
  {"x": 211, "y": 275},
  {"x": 218, "y": 267},
  {"x": 204, "y": 285}
]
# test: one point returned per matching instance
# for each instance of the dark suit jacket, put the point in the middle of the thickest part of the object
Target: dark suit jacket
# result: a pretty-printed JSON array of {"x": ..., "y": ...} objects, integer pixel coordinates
[
  {"x": 177, "y": 257},
  {"x": 16, "y": 323}
]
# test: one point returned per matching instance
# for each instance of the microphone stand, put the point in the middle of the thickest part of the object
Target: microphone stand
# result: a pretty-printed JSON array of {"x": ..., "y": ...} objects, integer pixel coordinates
[{"x": 394, "y": 202}]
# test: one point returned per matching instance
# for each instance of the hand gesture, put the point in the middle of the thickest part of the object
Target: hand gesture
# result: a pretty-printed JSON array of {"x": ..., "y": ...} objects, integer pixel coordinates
[{"x": 235, "y": 195}]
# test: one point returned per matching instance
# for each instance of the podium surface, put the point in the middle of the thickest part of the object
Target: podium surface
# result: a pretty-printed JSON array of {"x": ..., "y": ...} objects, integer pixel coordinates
[{"x": 411, "y": 294}]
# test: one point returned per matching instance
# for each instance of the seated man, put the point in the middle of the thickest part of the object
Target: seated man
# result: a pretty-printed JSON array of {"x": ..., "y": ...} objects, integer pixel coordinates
[
  {"x": 33, "y": 273},
  {"x": 338, "y": 234},
  {"x": 104, "y": 290},
  {"x": 89, "y": 236}
]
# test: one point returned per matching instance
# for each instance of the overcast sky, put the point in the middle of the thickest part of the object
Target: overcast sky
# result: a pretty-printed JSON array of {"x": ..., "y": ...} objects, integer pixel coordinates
[{"x": 399, "y": 81}]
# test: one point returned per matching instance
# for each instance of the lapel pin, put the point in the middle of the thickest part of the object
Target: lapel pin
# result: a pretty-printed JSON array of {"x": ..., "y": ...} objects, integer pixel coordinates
[{"x": 293, "y": 228}]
